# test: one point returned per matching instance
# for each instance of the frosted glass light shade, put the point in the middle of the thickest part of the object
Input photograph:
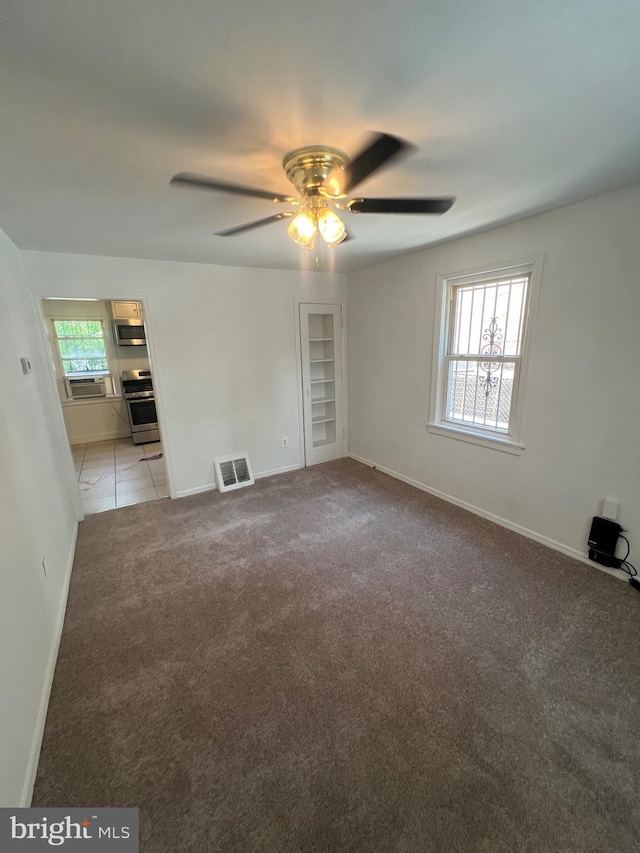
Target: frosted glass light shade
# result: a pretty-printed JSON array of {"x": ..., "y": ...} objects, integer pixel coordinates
[
  {"x": 303, "y": 229},
  {"x": 331, "y": 227}
]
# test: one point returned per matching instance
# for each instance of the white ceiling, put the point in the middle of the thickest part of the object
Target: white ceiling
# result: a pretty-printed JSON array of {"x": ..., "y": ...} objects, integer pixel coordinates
[{"x": 517, "y": 107}]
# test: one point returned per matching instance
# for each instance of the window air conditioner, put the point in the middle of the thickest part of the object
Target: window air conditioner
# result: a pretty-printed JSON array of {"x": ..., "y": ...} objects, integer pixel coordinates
[{"x": 88, "y": 386}]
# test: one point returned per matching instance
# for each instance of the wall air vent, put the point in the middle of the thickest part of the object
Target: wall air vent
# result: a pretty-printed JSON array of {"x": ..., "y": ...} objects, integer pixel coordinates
[{"x": 233, "y": 472}]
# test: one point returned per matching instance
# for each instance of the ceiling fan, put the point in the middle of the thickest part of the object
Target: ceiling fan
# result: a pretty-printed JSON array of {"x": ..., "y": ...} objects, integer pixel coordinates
[{"x": 324, "y": 178}]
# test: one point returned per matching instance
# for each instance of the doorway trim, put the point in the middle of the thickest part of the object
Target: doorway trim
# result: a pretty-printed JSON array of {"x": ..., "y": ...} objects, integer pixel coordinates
[
  {"x": 51, "y": 389},
  {"x": 342, "y": 304},
  {"x": 55, "y": 406}
]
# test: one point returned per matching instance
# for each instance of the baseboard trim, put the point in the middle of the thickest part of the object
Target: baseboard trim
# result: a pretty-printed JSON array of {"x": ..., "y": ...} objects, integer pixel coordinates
[
  {"x": 503, "y": 522},
  {"x": 211, "y": 486},
  {"x": 109, "y": 435},
  {"x": 34, "y": 758},
  {"x": 275, "y": 471},
  {"x": 185, "y": 493}
]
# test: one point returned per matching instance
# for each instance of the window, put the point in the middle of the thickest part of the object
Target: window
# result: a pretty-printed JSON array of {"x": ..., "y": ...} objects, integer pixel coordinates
[
  {"x": 81, "y": 346},
  {"x": 481, "y": 346},
  {"x": 81, "y": 350}
]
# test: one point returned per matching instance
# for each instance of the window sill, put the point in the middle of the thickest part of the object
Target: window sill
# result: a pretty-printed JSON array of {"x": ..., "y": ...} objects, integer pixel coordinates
[{"x": 506, "y": 444}]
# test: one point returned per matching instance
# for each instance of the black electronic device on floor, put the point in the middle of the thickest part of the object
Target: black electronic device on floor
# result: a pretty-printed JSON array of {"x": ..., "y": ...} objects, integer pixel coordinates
[{"x": 603, "y": 539}]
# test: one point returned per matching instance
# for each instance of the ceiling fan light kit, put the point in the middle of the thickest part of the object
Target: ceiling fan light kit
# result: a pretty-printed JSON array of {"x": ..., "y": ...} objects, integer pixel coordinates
[
  {"x": 312, "y": 221},
  {"x": 332, "y": 229},
  {"x": 303, "y": 229},
  {"x": 316, "y": 217},
  {"x": 322, "y": 177}
]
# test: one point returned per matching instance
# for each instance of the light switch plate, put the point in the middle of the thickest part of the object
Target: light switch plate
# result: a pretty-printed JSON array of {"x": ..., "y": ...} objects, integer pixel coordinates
[
  {"x": 26, "y": 365},
  {"x": 610, "y": 507}
]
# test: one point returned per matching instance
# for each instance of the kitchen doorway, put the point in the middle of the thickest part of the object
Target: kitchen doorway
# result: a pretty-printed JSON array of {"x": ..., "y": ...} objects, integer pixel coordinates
[{"x": 104, "y": 388}]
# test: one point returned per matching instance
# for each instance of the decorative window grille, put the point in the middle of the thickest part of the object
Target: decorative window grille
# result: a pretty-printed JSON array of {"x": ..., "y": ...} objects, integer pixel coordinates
[
  {"x": 483, "y": 352},
  {"x": 81, "y": 346}
]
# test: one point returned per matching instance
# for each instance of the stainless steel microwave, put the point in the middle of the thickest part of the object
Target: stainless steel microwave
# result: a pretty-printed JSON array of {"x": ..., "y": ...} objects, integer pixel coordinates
[{"x": 130, "y": 333}]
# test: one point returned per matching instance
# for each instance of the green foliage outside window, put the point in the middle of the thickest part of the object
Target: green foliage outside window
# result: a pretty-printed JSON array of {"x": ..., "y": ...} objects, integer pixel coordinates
[{"x": 81, "y": 345}]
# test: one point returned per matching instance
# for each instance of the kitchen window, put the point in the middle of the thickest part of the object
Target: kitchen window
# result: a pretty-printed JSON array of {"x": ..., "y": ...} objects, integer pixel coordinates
[
  {"x": 481, "y": 344},
  {"x": 82, "y": 351}
]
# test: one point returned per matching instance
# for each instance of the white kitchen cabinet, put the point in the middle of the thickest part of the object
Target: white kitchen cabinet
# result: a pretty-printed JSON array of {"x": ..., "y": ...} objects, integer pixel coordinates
[{"x": 127, "y": 310}]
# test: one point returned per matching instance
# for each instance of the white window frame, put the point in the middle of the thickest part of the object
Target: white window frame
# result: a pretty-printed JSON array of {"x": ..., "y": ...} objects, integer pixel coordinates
[
  {"x": 510, "y": 442},
  {"x": 93, "y": 318}
]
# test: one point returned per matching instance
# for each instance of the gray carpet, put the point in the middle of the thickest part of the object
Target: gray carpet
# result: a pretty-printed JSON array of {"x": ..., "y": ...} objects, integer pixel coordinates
[{"x": 331, "y": 660}]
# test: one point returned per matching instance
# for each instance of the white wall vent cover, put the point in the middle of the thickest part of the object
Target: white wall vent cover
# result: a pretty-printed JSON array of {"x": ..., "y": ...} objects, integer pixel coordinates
[{"x": 233, "y": 472}]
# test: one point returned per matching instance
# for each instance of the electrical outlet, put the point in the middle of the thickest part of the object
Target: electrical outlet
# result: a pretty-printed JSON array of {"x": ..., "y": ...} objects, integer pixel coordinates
[{"x": 284, "y": 441}]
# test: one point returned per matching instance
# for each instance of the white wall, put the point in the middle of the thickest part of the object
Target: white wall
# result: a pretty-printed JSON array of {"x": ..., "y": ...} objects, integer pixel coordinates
[
  {"x": 96, "y": 420},
  {"x": 582, "y": 403},
  {"x": 36, "y": 521},
  {"x": 222, "y": 348}
]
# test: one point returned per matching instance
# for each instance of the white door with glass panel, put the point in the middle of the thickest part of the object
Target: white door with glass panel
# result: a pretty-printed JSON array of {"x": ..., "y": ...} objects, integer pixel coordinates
[{"x": 321, "y": 346}]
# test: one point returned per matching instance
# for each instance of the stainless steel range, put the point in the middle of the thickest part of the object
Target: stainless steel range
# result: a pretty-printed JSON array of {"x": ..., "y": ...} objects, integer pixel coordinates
[{"x": 137, "y": 389}]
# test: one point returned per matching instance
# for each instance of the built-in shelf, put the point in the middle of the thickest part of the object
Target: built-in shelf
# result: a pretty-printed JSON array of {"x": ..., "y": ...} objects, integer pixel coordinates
[
  {"x": 324, "y": 442},
  {"x": 322, "y": 366}
]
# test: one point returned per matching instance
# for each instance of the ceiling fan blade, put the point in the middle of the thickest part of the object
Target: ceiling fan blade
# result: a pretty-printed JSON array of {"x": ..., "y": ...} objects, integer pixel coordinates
[
  {"x": 190, "y": 179},
  {"x": 379, "y": 151},
  {"x": 257, "y": 223},
  {"x": 400, "y": 205}
]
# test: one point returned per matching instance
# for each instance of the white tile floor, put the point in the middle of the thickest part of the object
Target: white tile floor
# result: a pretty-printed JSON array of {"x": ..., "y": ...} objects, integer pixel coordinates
[{"x": 119, "y": 473}]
